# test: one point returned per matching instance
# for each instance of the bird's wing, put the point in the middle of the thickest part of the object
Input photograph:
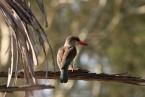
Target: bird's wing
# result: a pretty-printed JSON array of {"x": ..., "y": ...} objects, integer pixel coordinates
[
  {"x": 68, "y": 56},
  {"x": 65, "y": 56},
  {"x": 59, "y": 57}
]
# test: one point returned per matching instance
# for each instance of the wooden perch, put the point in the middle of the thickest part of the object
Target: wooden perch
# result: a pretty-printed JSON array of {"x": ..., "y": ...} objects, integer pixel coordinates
[
  {"x": 87, "y": 76},
  {"x": 4, "y": 88}
]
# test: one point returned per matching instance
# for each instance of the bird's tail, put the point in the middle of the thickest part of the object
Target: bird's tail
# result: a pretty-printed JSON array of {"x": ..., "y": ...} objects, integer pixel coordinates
[{"x": 64, "y": 75}]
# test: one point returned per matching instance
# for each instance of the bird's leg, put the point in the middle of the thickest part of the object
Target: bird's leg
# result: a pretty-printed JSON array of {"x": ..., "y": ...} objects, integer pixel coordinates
[{"x": 71, "y": 67}]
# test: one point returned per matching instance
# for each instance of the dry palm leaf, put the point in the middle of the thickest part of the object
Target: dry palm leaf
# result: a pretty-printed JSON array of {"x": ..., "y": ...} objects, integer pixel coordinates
[
  {"x": 42, "y": 9},
  {"x": 24, "y": 30}
]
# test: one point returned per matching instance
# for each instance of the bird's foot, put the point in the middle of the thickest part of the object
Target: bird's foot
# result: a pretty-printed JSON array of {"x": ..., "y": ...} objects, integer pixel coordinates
[{"x": 72, "y": 68}]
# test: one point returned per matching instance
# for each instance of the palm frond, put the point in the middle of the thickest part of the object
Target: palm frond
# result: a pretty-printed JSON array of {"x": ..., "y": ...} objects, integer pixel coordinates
[
  {"x": 42, "y": 9},
  {"x": 22, "y": 25}
]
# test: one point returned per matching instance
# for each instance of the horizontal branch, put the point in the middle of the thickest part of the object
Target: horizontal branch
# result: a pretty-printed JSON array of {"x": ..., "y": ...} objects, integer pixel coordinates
[
  {"x": 4, "y": 88},
  {"x": 87, "y": 76}
]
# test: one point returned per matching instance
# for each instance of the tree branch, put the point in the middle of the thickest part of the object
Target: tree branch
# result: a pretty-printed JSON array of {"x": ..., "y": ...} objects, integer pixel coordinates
[{"x": 87, "y": 76}]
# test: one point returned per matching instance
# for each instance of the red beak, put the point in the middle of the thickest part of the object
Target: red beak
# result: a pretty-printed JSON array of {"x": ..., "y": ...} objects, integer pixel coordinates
[{"x": 83, "y": 43}]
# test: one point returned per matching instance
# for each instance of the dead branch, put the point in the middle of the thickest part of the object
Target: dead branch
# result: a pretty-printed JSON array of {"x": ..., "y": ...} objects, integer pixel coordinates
[
  {"x": 4, "y": 88},
  {"x": 87, "y": 76}
]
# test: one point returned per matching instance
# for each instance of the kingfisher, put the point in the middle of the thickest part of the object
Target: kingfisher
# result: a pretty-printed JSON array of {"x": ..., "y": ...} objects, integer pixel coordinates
[{"x": 66, "y": 54}]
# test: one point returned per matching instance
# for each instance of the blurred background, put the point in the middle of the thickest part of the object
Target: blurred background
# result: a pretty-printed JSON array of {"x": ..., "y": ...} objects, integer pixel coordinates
[{"x": 115, "y": 32}]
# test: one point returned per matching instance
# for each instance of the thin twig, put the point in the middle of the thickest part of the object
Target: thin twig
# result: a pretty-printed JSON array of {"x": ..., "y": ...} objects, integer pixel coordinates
[{"x": 4, "y": 88}]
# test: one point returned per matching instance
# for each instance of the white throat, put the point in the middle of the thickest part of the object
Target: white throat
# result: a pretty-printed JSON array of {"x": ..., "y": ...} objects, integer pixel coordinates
[{"x": 66, "y": 44}]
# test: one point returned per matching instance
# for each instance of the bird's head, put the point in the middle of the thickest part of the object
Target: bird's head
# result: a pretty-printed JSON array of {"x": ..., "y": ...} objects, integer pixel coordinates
[{"x": 73, "y": 41}]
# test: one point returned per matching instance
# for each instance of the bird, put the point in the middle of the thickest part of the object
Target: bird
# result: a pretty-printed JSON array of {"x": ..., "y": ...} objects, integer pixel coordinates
[{"x": 66, "y": 54}]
